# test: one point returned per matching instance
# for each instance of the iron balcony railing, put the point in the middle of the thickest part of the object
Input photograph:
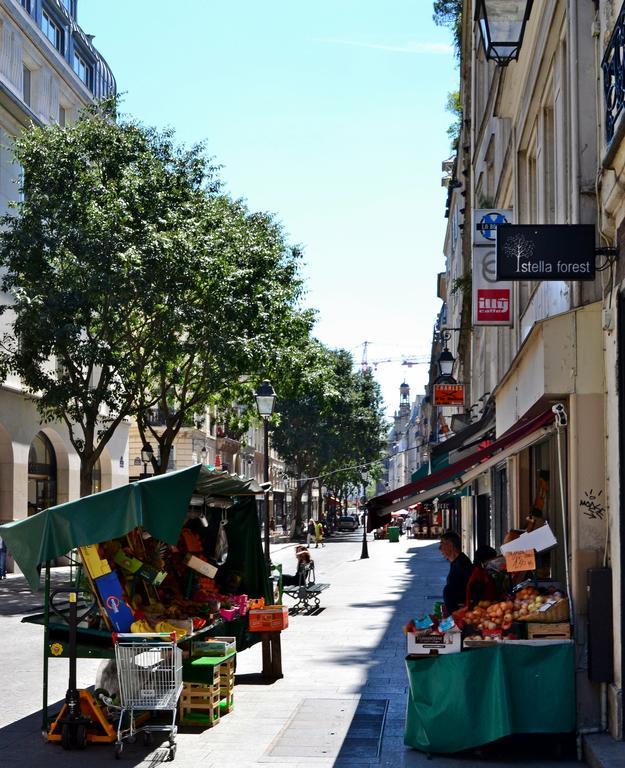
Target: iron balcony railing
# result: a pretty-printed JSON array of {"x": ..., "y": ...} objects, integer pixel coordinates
[{"x": 613, "y": 66}]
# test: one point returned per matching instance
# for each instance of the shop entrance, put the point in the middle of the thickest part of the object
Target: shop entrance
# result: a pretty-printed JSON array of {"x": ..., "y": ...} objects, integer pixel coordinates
[{"x": 41, "y": 475}]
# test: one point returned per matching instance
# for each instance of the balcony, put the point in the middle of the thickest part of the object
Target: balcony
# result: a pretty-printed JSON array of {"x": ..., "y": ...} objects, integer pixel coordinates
[{"x": 613, "y": 66}]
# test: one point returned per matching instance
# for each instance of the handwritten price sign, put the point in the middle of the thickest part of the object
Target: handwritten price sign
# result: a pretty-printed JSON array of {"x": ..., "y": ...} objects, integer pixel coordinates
[{"x": 521, "y": 561}]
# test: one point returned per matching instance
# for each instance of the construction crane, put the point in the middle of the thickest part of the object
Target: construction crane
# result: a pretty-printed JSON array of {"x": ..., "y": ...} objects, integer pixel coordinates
[{"x": 407, "y": 360}]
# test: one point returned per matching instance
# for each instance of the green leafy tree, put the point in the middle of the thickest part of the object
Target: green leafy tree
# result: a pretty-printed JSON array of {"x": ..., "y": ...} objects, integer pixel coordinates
[
  {"x": 448, "y": 13},
  {"x": 330, "y": 421},
  {"x": 93, "y": 259},
  {"x": 237, "y": 315},
  {"x": 454, "y": 106}
]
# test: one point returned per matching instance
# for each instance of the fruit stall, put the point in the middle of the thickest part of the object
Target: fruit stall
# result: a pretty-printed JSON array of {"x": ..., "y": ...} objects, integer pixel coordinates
[
  {"x": 179, "y": 553},
  {"x": 502, "y": 664}
]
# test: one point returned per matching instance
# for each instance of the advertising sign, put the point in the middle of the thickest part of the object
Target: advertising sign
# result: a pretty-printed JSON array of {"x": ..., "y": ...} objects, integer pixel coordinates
[
  {"x": 492, "y": 299},
  {"x": 546, "y": 252},
  {"x": 485, "y": 223},
  {"x": 449, "y": 394}
]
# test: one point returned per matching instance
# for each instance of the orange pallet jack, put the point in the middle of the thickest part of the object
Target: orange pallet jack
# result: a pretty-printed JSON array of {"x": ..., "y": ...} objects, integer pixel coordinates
[{"x": 81, "y": 719}]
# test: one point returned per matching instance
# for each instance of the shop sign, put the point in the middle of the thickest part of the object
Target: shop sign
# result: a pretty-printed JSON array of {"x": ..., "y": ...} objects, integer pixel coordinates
[
  {"x": 485, "y": 223},
  {"x": 525, "y": 560},
  {"x": 449, "y": 394},
  {"x": 546, "y": 252},
  {"x": 492, "y": 299}
]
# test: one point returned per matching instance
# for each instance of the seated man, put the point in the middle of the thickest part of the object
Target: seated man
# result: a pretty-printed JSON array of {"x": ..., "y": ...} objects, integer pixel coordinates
[{"x": 460, "y": 568}]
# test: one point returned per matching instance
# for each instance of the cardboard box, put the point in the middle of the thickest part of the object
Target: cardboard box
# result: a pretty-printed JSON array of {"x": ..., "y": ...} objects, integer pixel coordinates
[
  {"x": 271, "y": 618},
  {"x": 94, "y": 564},
  {"x": 215, "y": 646},
  {"x": 428, "y": 643},
  {"x": 201, "y": 566},
  {"x": 137, "y": 568},
  {"x": 112, "y": 598}
]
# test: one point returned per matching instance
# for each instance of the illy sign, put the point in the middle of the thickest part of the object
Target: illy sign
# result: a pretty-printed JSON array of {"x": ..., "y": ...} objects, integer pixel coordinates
[{"x": 546, "y": 252}]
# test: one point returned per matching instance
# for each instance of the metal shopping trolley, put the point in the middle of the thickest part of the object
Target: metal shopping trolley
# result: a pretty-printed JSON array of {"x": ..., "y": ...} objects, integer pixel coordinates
[{"x": 149, "y": 670}]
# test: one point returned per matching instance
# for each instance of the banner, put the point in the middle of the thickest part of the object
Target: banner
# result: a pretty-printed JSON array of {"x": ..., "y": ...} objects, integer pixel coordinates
[{"x": 492, "y": 299}]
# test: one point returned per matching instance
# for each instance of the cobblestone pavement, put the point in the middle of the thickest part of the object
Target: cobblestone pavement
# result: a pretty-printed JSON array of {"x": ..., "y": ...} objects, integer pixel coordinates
[{"x": 344, "y": 677}]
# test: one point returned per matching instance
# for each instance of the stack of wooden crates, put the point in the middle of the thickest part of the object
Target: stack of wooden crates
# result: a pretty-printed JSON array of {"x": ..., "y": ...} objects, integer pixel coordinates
[{"x": 203, "y": 704}]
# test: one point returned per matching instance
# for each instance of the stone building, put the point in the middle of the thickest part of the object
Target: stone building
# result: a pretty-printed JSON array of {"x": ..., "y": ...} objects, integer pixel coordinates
[{"x": 49, "y": 69}]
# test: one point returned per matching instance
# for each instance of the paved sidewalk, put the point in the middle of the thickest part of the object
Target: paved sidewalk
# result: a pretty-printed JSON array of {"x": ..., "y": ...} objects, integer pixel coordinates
[{"x": 342, "y": 699}]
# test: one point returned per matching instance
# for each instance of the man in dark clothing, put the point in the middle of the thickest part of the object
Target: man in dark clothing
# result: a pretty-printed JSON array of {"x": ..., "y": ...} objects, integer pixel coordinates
[{"x": 460, "y": 567}]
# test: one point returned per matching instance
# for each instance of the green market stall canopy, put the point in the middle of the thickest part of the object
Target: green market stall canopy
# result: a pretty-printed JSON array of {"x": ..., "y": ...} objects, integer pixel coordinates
[{"x": 158, "y": 504}]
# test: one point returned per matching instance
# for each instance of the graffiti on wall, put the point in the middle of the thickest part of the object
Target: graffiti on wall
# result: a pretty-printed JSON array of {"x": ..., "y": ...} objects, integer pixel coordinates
[{"x": 592, "y": 505}]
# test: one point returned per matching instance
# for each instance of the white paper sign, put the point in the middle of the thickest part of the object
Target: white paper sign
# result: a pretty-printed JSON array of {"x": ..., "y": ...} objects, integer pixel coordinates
[{"x": 541, "y": 539}]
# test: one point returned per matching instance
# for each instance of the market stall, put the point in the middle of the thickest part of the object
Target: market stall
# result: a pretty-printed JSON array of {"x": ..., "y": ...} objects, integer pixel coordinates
[
  {"x": 178, "y": 553},
  {"x": 500, "y": 664}
]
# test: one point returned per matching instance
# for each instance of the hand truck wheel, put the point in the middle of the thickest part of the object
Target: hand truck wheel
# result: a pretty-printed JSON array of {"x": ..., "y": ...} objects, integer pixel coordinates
[
  {"x": 119, "y": 748},
  {"x": 80, "y": 736},
  {"x": 66, "y": 736},
  {"x": 172, "y": 752},
  {"x": 147, "y": 739}
]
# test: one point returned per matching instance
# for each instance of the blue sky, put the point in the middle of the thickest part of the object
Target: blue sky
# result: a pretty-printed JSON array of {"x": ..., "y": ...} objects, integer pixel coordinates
[{"x": 329, "y": 114}]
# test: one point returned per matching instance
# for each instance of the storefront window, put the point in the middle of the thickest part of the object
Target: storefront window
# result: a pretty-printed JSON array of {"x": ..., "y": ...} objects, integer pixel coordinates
[{"x": 41, "y": 475}]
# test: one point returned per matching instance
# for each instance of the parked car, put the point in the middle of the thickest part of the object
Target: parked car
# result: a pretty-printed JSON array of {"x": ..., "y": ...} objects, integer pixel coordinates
[{"x": 347, "y": 523}]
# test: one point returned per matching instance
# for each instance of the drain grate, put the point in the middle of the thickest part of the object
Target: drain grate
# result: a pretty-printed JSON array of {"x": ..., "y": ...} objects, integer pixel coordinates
[{"x": 345, "y": 729}]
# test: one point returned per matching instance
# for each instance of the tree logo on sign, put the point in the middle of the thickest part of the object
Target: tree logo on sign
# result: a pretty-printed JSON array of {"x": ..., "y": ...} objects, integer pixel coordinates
[{"x": 519, "y": 247}]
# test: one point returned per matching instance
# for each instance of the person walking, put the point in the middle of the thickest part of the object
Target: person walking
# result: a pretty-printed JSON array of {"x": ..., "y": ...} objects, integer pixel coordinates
[
  {"x": 310, "y": 531},
  {"x": 3, "y": 558},
  {"x": 318, "y": 535}
]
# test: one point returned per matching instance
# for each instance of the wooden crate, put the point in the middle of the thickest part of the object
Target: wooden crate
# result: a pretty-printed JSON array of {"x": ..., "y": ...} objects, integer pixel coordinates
[
  {"x": 226, "y": 684},
  {"x": 548, "y": 631},
  {"x": 199, "y": 704}
]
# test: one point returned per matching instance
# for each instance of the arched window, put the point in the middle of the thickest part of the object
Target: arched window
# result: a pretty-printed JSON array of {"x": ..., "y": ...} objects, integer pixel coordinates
[{"x": 41, "y": 474}]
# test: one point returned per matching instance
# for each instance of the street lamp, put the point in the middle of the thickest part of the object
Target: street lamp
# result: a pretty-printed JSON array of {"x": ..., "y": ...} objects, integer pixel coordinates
[
  {"x": 502, "y": 26},
  {"x": 265, "y": 403},
  {"x": 147, "y": 454},
  {"x": 364, "y": 554}
]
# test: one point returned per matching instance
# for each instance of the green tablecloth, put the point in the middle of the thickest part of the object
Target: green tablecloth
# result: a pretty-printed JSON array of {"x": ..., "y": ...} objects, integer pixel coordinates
[{"x": 462, "y": 700}]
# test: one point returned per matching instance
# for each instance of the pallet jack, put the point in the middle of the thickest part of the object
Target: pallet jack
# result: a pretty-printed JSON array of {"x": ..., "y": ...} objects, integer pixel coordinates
[{"x": 81, "y": 719}]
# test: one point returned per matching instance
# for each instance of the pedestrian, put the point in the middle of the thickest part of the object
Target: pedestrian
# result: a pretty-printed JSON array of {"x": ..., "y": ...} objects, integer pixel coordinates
[
  {"x": 318, "y": 535},
  {"x": 460, "y": 569},
  {"x": 303, "y": 561},
  {"x": 3, "y": 558},
  {"x": 310, "y": 532}
]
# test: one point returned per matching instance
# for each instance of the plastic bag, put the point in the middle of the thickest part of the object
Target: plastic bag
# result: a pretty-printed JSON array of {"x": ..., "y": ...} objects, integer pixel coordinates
[{"x": 220, "y": 555}]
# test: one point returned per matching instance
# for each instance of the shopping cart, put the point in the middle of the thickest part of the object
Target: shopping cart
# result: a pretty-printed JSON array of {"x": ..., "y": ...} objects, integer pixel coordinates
[{"x": 149, "y": 670}]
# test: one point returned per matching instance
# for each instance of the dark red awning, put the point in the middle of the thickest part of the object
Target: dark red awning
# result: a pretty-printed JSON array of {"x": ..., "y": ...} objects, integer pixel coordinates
[{"x": 380, "y": 507}]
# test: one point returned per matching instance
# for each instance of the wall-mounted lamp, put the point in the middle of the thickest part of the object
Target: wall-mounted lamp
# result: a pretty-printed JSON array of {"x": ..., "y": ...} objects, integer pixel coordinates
[{"x": 502, "y": 26}]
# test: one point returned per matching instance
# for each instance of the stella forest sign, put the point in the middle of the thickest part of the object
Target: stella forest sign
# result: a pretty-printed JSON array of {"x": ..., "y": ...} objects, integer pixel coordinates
[{"x": 545, "y": 252}]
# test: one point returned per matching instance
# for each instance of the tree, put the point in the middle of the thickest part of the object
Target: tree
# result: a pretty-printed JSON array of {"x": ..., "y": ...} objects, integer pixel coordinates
[
  {"x": 448, "y": 13},
  {"x": 331, "y": 419},
  {"x": 236, "y": 315},
  {"x": 454, "y": 106},
  {"x": 93, "y": 257}
]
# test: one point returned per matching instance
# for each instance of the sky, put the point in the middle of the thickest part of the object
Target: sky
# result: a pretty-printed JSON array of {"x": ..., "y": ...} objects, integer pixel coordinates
[{"x": 331, "y": 115}]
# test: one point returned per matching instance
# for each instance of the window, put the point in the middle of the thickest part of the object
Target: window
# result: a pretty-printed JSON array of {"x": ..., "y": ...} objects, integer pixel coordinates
[
  {"x": 26, "y": 5},
  {"x": 52, "y": 31},
  {"x": 82, "y": 69},
  {"x": 67, "y": 4},
  {"x": 26, "y": 84},
  {"x": 62, "y": 116}
]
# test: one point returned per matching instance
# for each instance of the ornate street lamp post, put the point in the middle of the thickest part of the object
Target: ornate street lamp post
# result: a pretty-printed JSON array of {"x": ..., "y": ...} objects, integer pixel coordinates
[
  {"x": 146, "y": 457},
  {"x": 364, "y": 554},
  {"x": 502, "y": 26},
  {"x": 265, "y": 403}
]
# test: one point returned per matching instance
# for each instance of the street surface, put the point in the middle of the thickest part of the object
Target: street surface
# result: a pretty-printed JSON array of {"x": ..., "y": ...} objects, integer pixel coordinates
[{"x": 348, "y": 659}]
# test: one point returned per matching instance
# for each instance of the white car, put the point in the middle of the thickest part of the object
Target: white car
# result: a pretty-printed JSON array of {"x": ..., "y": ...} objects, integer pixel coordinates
[{"x": 347, "y": 523}]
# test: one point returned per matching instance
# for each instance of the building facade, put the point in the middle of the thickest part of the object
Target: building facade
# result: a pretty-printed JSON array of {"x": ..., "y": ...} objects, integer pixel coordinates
[
  {"x": 49, "y": 69},
  {"x": 532, "y": 150}
]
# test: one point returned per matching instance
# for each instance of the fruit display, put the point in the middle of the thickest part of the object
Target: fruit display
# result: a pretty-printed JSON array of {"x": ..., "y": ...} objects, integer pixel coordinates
[{"x": 156, "y": 590}]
